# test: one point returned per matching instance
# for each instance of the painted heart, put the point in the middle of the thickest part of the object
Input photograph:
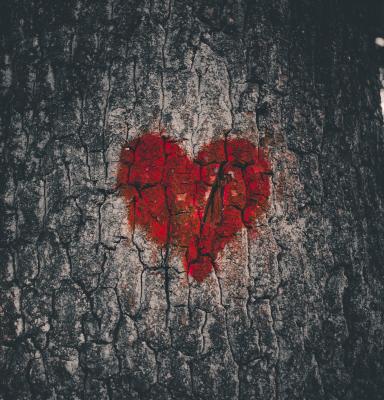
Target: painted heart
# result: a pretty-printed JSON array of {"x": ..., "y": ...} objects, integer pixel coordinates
[{"x": 198, "y": 205}]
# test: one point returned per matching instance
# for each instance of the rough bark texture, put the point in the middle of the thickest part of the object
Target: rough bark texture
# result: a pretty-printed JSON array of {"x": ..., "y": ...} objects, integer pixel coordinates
[{"x": 88, "y": 308}]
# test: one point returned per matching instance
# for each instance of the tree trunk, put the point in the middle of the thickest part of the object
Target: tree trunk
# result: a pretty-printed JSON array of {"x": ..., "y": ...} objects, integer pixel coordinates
[{"x": 89, "y": 309}]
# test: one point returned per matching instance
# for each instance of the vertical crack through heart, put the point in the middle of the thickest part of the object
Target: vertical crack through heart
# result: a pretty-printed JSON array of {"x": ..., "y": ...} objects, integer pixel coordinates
[
  {"x": 198, "y": 205},
  {"x": 168, "y": 241},
  {"x": 215, "y": 200}
]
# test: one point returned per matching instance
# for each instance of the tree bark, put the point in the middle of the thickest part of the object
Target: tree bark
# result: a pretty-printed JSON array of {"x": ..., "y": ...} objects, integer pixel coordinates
[{"x": 88, "y": 309}]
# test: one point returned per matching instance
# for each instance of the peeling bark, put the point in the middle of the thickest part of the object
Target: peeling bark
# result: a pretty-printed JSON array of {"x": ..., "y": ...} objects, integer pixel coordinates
[{"x": 88, "y": 307}]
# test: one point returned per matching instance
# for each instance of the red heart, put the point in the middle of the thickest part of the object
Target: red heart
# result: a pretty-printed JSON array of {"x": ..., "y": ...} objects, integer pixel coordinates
[{"x": 197, "y": 205}]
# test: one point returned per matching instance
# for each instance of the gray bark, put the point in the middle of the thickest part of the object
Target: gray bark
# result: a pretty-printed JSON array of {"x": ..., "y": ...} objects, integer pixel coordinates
[{"x": 86, "y": 312}]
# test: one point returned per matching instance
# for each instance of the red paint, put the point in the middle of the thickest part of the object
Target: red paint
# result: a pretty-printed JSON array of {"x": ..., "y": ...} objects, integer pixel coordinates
[{"x": 197, "y": 205}]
